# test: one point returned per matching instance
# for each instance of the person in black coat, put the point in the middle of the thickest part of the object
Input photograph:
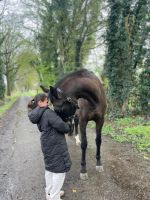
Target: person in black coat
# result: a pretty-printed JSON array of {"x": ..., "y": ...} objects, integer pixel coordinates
[{"x": 53, "y": 144}]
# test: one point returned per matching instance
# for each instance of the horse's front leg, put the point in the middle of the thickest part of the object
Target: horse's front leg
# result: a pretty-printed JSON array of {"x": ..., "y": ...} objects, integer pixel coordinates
[
  {"x": 83, "y": 172},
  {"x": 76, "y": 123},
  {"x": 98, "y": 140}
]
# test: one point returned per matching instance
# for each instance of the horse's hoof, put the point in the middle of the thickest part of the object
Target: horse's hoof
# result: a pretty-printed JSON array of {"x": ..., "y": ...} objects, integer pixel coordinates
[
  {"x": 84, "y": 176},
  {"x": 99, "y": 168}
]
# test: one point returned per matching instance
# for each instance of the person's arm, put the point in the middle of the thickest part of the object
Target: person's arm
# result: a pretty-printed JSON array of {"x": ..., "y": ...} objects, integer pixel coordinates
[{"x": 56, "y": 122}]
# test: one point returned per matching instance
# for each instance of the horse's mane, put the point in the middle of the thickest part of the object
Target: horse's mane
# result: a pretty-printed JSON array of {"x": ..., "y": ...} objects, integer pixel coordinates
[{"x": 79, "y": 73}]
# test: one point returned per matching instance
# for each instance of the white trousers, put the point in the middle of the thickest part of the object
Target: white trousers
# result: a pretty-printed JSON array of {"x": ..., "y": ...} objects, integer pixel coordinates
[{"x": 54, "y": 183}]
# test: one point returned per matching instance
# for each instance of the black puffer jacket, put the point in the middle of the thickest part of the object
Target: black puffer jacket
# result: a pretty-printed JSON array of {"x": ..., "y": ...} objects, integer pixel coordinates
[{"x": 53, "y": 141}]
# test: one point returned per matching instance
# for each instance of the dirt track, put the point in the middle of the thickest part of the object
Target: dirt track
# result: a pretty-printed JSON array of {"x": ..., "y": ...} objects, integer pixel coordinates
[{"x": 126, "y": 174}]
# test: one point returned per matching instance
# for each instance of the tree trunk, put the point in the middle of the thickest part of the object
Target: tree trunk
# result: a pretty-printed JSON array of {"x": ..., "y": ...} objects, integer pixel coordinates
[
  {"x": 124, "y": 107},
  {"x": 78, "y": 63},
  {"x": 40, "y": 76},
  {"x": 8, "y": 85},
  {"x": 2, "y": 85}
]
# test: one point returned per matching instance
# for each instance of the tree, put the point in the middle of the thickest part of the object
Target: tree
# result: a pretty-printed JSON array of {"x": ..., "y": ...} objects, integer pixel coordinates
[
  {"x": 27, "y": 77},
  {"x": 11, "y": 43},
  {"x": 144, "y": 86},
  {"x": 126, "y": 36},
  {"x": 67, "y": 32},
  {"x": 2, "y": 85},
  {"x": 2, "y": 37},
  {"x": 31, "y": 73},
  {"x": 86, "y": 23}
]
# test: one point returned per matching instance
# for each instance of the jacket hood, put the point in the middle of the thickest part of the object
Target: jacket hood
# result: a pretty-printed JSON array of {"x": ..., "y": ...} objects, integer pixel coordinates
[{"x": 36, "y": 114}]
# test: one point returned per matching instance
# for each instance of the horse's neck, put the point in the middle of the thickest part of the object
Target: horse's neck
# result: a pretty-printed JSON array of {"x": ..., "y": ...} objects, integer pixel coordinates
[{"x": 78, "y": 90}]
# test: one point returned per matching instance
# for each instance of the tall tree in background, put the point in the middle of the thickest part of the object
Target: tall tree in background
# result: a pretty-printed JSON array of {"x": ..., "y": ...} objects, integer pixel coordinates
[
  {"x": 144, "y": 78},
  {"x": 9, "y": 48},
  {"x": 67, "y": 32},
  {"x": 126, "y": 36},
  {"x": 31, "y": 72},
  {"x": 53, "y": 35},
  {"x": 2, "y": 85},
  {"x": 2, "y": 37},
  {"x": 10, "y": 42},
  {"x": 27, "y": 77},
  {"x": 144, "y": 86},
  {"x": 85, "y": 25}
]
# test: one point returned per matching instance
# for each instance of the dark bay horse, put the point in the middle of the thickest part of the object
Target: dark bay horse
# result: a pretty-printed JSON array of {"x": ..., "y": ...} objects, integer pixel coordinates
[{"x": 81, "y": 93}]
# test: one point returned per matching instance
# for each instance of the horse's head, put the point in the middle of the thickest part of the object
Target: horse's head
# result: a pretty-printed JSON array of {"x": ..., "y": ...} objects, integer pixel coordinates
[{"x": 63, "y": 105}]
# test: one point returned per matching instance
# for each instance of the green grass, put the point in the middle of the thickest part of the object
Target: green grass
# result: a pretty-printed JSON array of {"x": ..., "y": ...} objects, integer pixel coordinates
[
  {"x": 31, "y": 93},
  {"x": 133, "y": 130},
  {"x": 9, "y": 101},
  {"x": 140, "y": 135}
]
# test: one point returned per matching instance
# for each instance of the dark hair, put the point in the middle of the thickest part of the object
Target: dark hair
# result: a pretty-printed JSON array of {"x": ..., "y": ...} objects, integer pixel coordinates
[{"x": 34, "y": 102}]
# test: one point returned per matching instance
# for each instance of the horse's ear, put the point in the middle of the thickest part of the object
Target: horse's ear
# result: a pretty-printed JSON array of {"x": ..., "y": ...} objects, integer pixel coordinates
[
  {"x": 53, "y": 91},
  {"x": 46, "y": 90}
]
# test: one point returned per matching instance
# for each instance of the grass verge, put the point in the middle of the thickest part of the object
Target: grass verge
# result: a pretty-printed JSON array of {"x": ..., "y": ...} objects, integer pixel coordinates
[
  {"x": 9, "y": 101},
  {"x": 133, "y": 130}
]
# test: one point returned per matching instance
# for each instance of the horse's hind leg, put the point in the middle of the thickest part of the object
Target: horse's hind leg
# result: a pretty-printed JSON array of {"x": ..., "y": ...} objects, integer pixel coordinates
[
  {"x": 83, "y": 172},
  {"x": 98, "y": 140},
  {"x": 76, "y": 123},
  {"x": 71, "y": 127}
]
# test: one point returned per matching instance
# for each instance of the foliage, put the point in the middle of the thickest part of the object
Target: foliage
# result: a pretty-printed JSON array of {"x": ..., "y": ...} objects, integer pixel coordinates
[
  {"x": 2, "y": 85},
  {"x": 27, "y": 77},
  {"x": 127, "y": 33},
  {"x": 11, "y": 43},
  {"x": 31, "y": 71},
  {"x": 140, "y": 135},
  {"x": 133, "y": 130},
  {"x": 10, "y": 100},
  {"x": 67, "y": 33},
  {"x": 144, "y": 87}
]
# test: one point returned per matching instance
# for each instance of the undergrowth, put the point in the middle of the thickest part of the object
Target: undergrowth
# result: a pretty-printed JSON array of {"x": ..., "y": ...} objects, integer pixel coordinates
[
  {"x": 10, "y": 100},
  {"x": 130, "y": 129}
]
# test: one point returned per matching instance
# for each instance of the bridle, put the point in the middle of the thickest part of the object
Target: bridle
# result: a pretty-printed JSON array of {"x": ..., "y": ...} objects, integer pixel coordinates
[{"x": 67, "y": 99}]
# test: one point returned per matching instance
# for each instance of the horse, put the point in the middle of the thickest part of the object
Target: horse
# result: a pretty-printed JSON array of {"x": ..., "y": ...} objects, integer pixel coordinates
[{"x": 80, "y": 94}]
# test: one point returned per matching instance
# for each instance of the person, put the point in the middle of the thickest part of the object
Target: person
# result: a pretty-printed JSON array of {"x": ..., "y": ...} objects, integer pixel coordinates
[{"x": 53, "y": 144}]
